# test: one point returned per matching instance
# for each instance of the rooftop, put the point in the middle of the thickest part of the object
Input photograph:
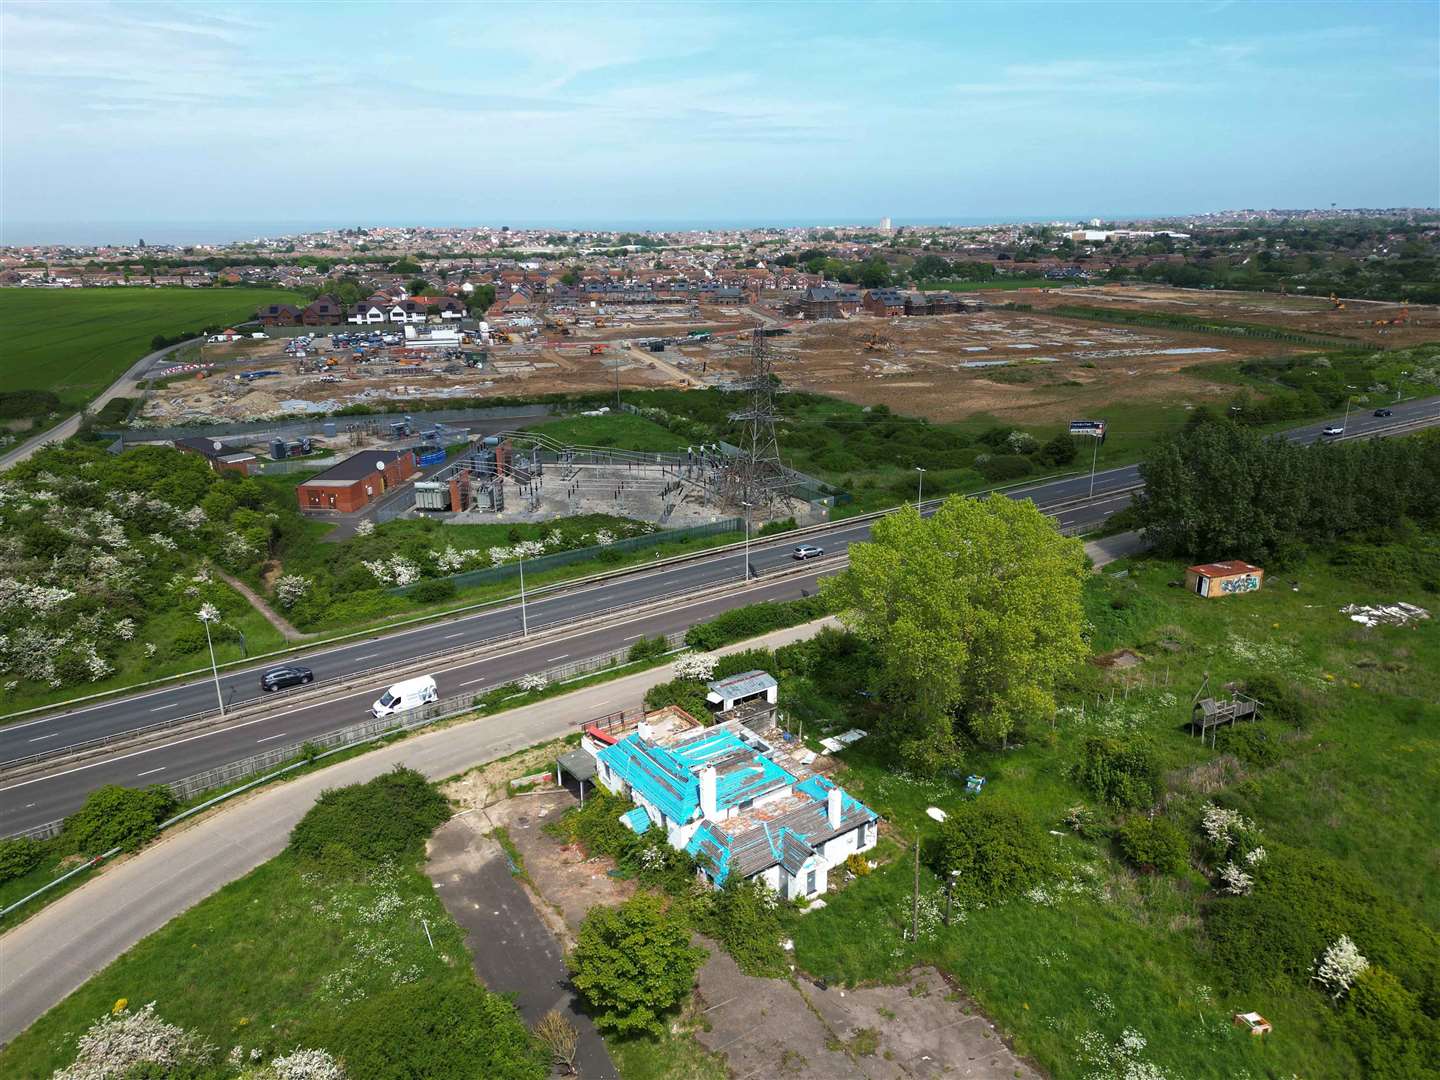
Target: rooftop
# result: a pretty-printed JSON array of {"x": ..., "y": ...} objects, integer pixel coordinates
[
  {"x": 356, "y": 467},
  {"x": 1225, "y": 569},
  {"x": 742, "y": 685}
]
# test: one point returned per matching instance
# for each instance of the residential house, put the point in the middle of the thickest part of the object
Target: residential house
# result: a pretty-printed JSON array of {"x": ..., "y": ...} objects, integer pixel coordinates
[
  {"x": 719, "y": 794},
  {"x": 279, "y": 315},
  {"x": 323, "y": 311},
  {"x": 889, "y": 302}
]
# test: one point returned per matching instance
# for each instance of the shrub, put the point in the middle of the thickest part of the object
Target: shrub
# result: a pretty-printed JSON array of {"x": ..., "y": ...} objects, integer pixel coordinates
[
  {"x": 646, "y": 648},
  {"x": 381, "y": 819},
  {"x": 755, "y": 619},
  {"x": 597, "y": 825},
  {"x": 998, "y": 468},
  {"x": 634, "y": 964},
  {"x": 744, "y": 918},
  {"x": 997, "y": 849},
  {"x": 1061, "y": 450},
  {"x": 770, "y": 528},
  {"x": 743, "y": 661},
  {"x": 857, "y": 864},
  {"x": 1393, "y": 1038},
  {"x": 686, "y": 693},
  {"x": 1254, "y": 744},
  {"x": 18, "y": 856},
  {"x": 455, "y": 1030},
  {"x": 1153, "y": 845},
  {"x": 115, "y": 816},
  {"x": 433, "y": 591},
  {"x": 1280, "y": 700},
  {"x": 1124, "y": 775}
]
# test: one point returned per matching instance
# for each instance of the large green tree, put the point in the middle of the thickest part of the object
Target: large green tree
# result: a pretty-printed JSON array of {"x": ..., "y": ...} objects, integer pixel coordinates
[
  {"x": 634, "y": 964},
  {"x": 974, "y": 611}
]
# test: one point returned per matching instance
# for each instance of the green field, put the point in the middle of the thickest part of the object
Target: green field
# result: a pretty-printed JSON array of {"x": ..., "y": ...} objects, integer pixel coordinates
[{"x": 76, "y": 342}]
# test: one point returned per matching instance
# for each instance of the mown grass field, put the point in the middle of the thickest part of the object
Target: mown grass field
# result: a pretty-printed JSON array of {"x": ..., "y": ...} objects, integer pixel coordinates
[
  {"x": 1103, "y": 949},
  {"x": 76, "y": 342}
]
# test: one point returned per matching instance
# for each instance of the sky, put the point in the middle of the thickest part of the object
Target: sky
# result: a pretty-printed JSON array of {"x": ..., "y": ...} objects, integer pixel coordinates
[{"x": 527, "y": 113}]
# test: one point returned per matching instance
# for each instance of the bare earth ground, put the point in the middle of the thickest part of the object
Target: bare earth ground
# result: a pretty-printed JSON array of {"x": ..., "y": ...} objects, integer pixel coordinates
[{"x": 778, "y": 1027}]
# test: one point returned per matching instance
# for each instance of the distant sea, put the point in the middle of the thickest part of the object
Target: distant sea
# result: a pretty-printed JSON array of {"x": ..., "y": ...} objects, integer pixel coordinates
[{"x": 179, "y": 233}]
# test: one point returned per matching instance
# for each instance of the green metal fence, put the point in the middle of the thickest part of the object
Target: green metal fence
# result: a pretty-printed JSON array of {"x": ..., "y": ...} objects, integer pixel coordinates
[{"x": 541, "y": 563}]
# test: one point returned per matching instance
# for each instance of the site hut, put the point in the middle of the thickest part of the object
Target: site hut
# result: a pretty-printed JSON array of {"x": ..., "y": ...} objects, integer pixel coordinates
[
  {"x": 718, "y": 794},
  {"x": 1223, "y": 578},
  {"x": 748, "y": 698},
  {"x": 221, "y": 457},
  {"x": 357, "y": 481}
]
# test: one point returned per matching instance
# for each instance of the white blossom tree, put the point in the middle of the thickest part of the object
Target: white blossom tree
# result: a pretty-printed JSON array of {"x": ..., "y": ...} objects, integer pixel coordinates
[
  {"x": 1339, "y": 966},
  {"x": 291, "y": 589},
  {"x": 696, "y": 665}
]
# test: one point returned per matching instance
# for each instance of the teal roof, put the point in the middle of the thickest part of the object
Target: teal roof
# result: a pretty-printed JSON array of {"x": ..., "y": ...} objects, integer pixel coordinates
[
  {"x": 666, "y": 777},
  {"x": 637, "y": 820}
]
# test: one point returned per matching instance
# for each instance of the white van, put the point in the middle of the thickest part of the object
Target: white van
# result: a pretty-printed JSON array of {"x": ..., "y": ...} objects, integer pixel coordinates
[{"x": 409, "y": 694}]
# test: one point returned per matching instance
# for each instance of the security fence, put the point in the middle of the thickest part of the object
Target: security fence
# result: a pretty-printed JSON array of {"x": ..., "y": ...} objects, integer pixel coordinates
[{"x": 541, "y": 563}]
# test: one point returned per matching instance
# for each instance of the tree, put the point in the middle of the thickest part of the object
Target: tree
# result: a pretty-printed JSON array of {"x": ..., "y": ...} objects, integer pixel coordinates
[
  {"x": 975, "y": 609},
  {"x": 115, "y": 816},
  {"x": 417, "y": 287},
  {"x": 634, "y": 964}
]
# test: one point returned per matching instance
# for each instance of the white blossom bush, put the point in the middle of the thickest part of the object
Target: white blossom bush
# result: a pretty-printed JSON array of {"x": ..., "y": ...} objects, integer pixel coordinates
[
  {"x": 124, "y": 629},
  {"x": 1234, "y": 881},
  {"x": 119, "y": 1041},
  {"x": 365, "y": 528},
  {"x": 533, "y": 681},
  {"x": 161, "y": 541},
  {"x": 397, "y": 570},
  {"x": 208, "y": 613},
  {"x": 291, "y": 589},
  {"x": 1339, "y": 966},
  {"x": 604, "y": 537},
  {"x": 193, "y": 519},
  {"x": 306, "y": 1065},
  {"x": 1255, "y": 857},
  {"x": 1223, "y": 827},
  {"x": 696, "y": 665}
]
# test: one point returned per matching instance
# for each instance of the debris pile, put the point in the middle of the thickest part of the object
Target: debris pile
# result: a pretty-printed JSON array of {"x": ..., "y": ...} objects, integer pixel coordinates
[{"x": 1396, "y": 614}]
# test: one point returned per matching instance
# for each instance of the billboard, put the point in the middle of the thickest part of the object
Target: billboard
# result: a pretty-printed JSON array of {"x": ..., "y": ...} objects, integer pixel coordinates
[{"x": 1095, "y": 428}]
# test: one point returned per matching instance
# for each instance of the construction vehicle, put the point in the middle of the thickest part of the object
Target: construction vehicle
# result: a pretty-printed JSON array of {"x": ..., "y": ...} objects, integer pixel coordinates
[
  {"x": 1336, "y": 304},
  {"x": 596, "y": 350},
  {"x": 877, "y": 342}
]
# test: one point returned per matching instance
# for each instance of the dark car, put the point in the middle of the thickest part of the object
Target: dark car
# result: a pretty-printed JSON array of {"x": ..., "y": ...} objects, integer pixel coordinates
[
  {"x": 281, "y": 677},
  {"x": 1383, "y": 412},
  {"x": 808, "y": 551}
]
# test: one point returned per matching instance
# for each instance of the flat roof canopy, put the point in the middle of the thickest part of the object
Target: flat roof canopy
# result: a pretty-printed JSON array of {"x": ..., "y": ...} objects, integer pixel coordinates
[{"x": 578, "y": 763}]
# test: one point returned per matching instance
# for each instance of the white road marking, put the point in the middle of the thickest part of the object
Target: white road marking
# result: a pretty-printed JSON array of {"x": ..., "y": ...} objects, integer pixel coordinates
[
  {"x": 367, "y": 656},
  {"x": 267, "y": 738},
  {"x": 472, "y": 682},
  {"x": 151, "y": 772},
  {"x": 632, "y": 637},
  {"x": 449, "y": 636},
  {"x": 52, "y": 735},
  {"x": 552, "y": 659},
  {"x": 162, "y": 708}
]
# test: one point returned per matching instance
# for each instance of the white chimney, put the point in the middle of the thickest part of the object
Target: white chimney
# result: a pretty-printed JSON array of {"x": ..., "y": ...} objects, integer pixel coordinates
[
  {"x": 832, "y": 807},
  {"x": 709, "y": 799}
]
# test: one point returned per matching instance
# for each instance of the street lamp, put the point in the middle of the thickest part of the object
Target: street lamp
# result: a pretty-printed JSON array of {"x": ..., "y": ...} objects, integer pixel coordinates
[
  {"x": 747, "y": 507},
  {"x": 524, "y": 620},
  {"x": 207, "y": 614},
  {"x": 920, "y": 491},
  {"x": 1094, "y": 457}
]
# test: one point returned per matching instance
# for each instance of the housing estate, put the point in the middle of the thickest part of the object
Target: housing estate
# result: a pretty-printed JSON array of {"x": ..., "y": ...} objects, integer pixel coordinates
[{"x": 720, "y": 794}]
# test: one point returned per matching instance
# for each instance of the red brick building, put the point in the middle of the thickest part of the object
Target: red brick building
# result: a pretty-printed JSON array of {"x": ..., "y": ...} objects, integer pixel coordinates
[
  {"x": 221, "y": 457},
  {"x": 357, "y": 481}
]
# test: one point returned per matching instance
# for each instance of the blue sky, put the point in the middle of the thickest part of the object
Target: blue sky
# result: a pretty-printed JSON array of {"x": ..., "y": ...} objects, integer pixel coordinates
[{"x": 496, "y": 113}]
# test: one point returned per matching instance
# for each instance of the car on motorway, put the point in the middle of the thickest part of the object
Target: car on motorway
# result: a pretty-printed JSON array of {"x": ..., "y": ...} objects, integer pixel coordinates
[
  {"x": 1334, "y": 431},
  {"x": 405, "y": 695},
  {"x": 807, "y": 551},
  {"x": 281, "y": 678},
  {"x": 1384, "y": 412}
]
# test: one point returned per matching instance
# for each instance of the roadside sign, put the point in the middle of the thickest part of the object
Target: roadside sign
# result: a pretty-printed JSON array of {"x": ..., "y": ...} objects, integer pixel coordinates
[{"x": 1095, "y": 428}]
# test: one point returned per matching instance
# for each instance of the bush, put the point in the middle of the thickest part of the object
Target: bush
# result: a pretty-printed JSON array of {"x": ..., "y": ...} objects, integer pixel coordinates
[
  {"x": 771, "y": 528},
  {"x": 1061, "y": 450},
  {"x": 688, "y": 694},
  {"x": 597, "y": 825},
  {"x": 456, "y": 1030},
  {"x": 634, "y": 964},
  {"x": 1153, "y": 845},
  {"x": 1280, "y": 700},
  {"x": 1392, "y": 1037},
  {"x": 433, "y": 591},
  {"x": 745, "y": 660},
  {"x": 753, "y": 620},
  {"x": 997, "y": 849},
  {"x": 384, "y": 818},
  {"x": 1255, "y": 744},
  {"x": 1123, "y": 775},
  {"x": 999, "y": 468},
  {"x": 115, "y": 816},
  {"x": 647, "y": 648},
  {"x": 744, "y": 918},
  {"x": 18, "y": 856}
]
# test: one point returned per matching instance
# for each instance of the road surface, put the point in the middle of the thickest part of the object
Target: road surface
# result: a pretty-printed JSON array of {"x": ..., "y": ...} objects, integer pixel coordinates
[{"x": 631, "y": 601}]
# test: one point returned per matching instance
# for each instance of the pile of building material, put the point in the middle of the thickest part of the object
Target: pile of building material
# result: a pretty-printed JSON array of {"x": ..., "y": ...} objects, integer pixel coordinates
[{"x": 1396, "y": 614}]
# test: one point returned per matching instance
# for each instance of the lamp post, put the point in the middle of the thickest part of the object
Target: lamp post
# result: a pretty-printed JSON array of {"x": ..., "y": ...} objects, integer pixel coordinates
[
  {"x": 920, "y": 491},
  {"x": 524, "y": 620},
  {"x": 207, "y": 614},
  {"x": 1094, "y": 457},
  {"x": 747, "y": 507}
]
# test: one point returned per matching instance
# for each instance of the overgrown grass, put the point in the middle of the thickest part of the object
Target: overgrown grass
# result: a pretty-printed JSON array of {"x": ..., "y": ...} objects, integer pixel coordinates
[
  {"x": 621, "y": 431},
  {"x": 1102, "y": 949},
  {"x": 76, "y": 342}
]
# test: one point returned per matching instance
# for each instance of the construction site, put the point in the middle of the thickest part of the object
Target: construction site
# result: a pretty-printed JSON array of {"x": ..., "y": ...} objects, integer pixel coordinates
[{"x": 523, "y": 476}]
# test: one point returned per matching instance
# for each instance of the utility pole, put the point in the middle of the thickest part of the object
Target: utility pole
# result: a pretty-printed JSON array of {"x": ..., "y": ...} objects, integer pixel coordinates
[
  {"x": 209, "y": 613},
  {"x": 524, "y": 622},
  {"x": 745, "y": 507},
  {"x": 1094, "y": 457}
]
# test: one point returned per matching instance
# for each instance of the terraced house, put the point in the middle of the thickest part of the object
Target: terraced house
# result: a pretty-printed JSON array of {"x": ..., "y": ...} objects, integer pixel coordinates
[{"x": 718, "y": 793}]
